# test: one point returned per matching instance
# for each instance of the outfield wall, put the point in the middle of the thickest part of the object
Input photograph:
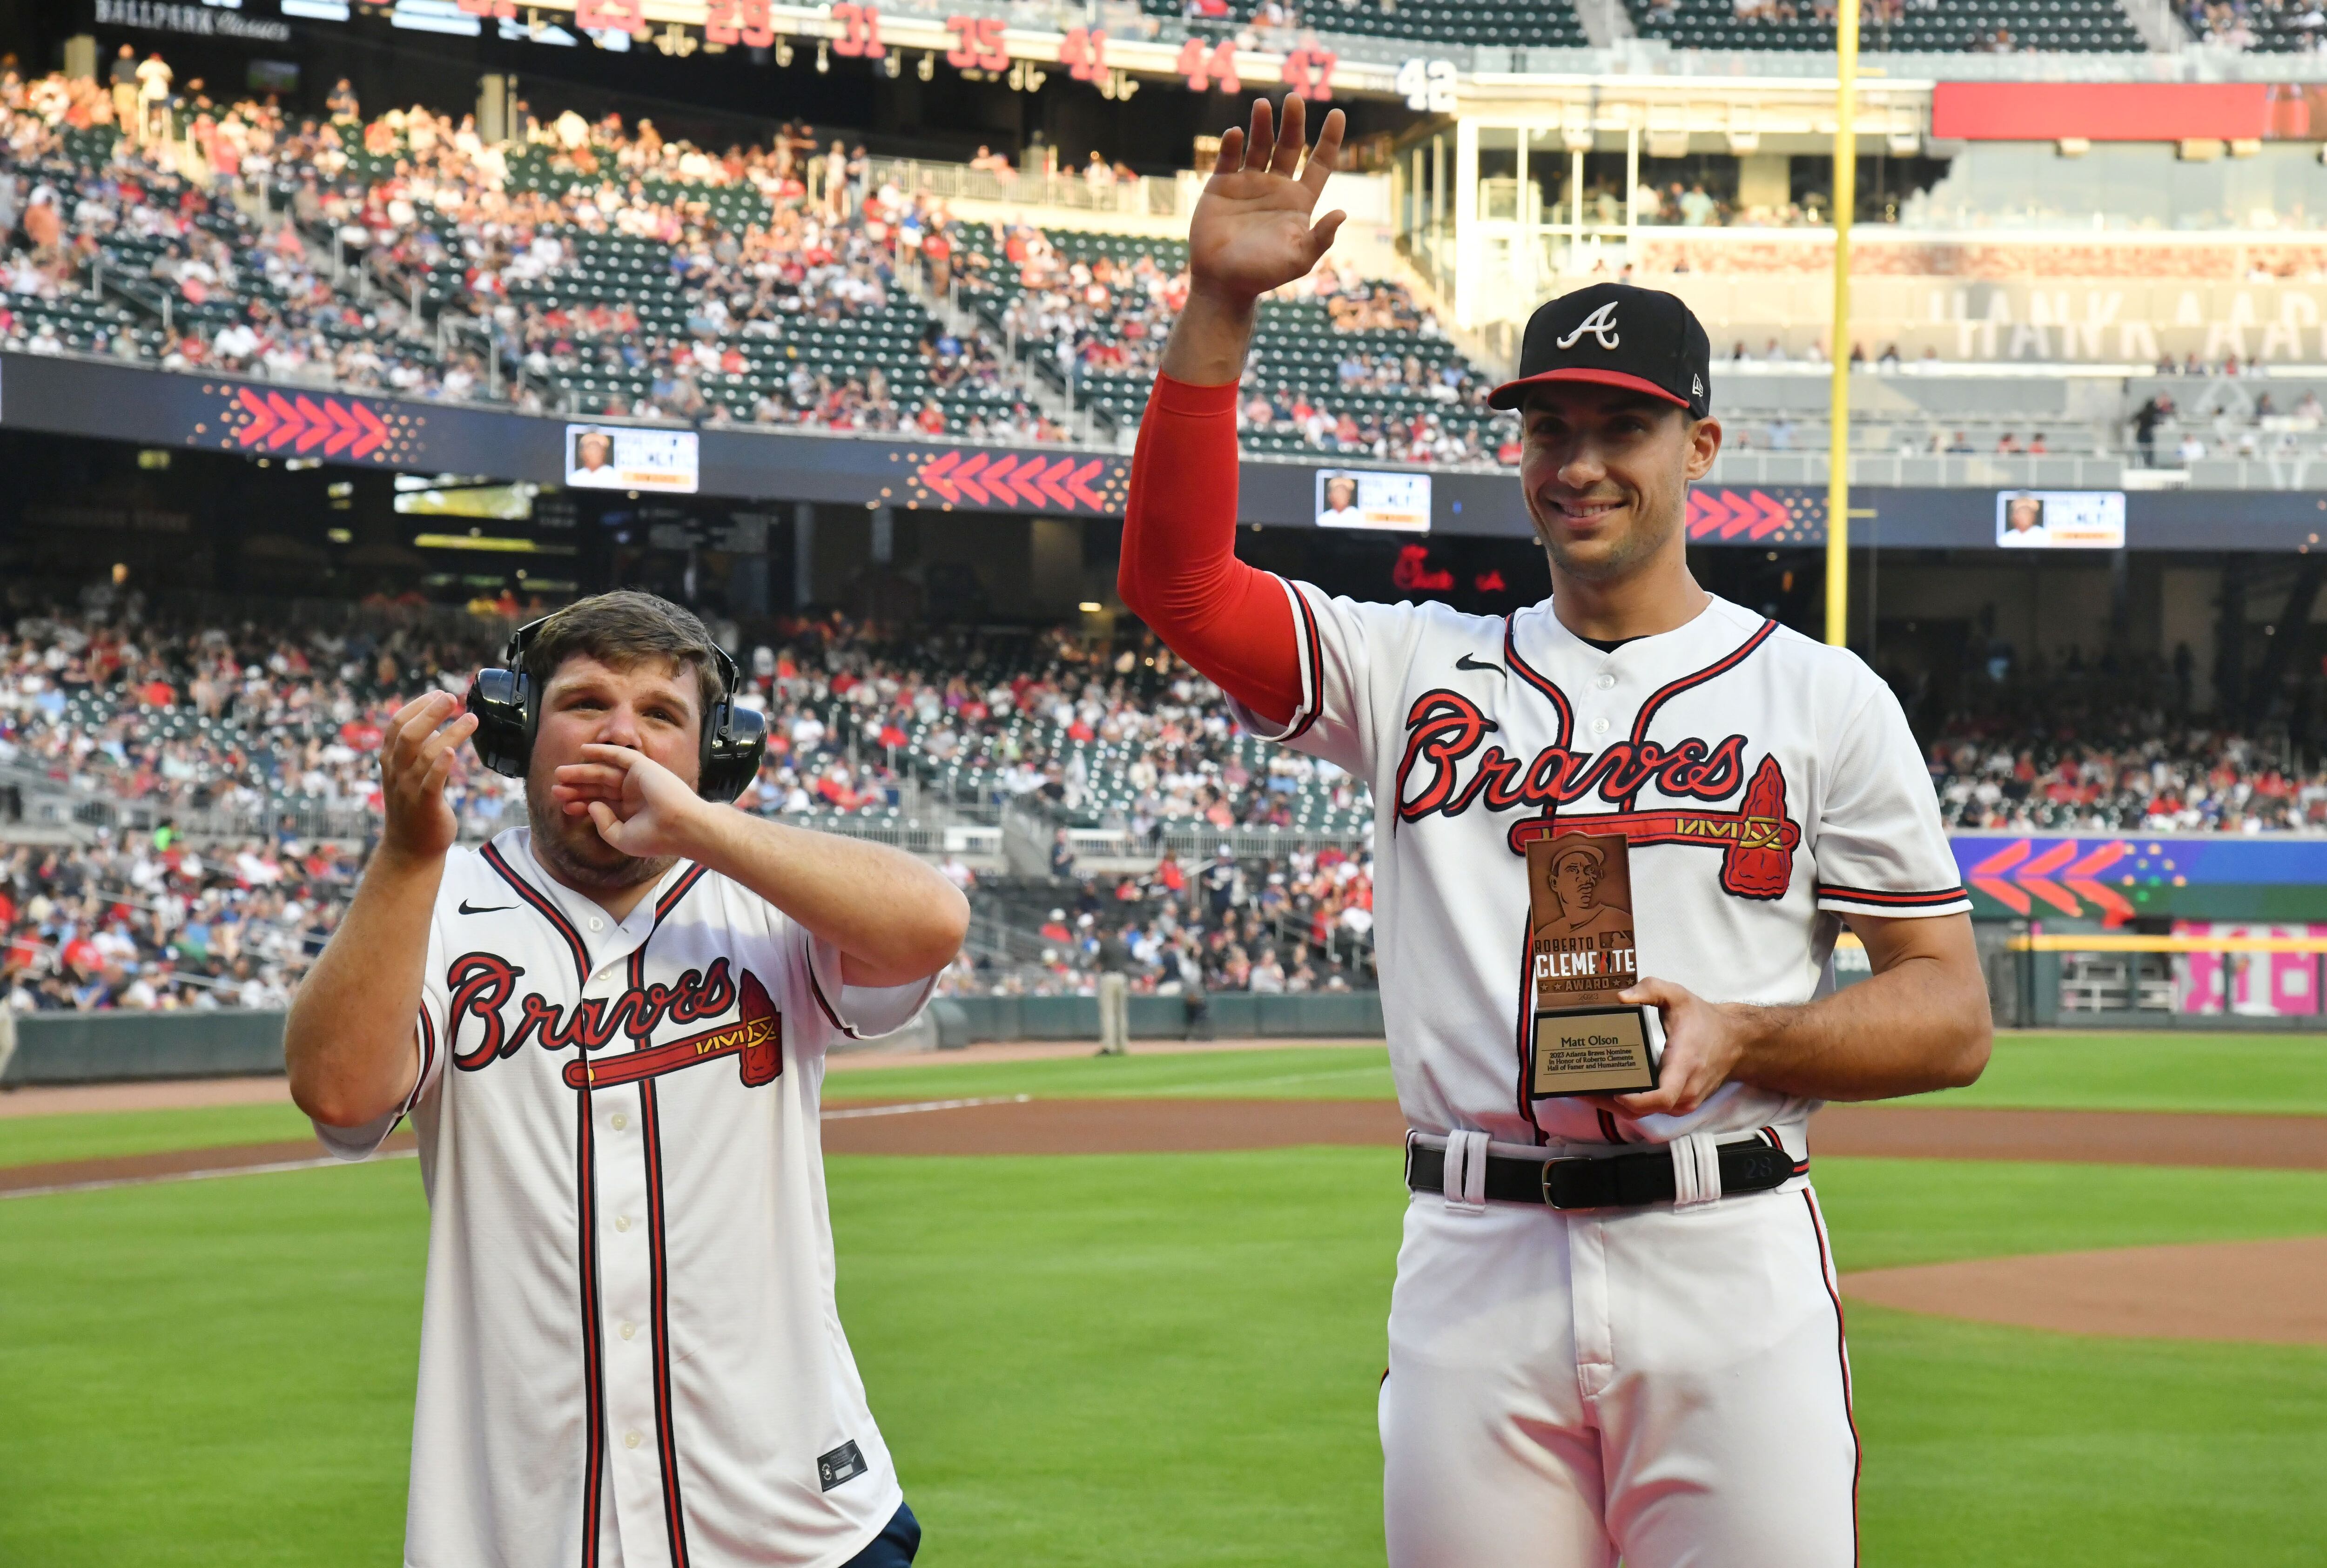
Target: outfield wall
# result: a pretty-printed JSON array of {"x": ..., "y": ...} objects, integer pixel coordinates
[{"x": 67, "y": 1048}]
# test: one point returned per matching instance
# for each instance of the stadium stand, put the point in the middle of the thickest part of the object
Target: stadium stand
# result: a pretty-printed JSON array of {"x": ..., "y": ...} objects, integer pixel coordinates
[
  {"x": 607, "y": 271},
  {"x": 212, "y": 720},
  {"x": 163, "y": 924},
  {"x": 1339, "y": 363},
  {"x": 1551, "y": 24},
  {"x": 2048, "y": 755},
  {"x": 2261, "y": 26},
  {"x": 1900, "y": 26}
]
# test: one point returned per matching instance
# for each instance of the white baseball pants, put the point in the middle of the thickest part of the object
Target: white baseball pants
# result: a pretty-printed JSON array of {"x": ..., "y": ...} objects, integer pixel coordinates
[{"x": 1666, "y": 1386}]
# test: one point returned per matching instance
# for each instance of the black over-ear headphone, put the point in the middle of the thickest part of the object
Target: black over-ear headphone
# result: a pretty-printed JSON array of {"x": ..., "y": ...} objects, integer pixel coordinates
[{"x": 508, "y": 709}]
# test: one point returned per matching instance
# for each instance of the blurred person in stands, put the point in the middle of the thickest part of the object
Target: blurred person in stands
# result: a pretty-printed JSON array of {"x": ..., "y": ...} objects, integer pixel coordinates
[{"x": 2156, "y": 411}]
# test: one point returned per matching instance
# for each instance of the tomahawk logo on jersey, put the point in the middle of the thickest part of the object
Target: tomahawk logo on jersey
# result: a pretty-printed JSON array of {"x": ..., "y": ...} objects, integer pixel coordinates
[
  {"x": 1768, "y": 786},
  {"x": 606, "y": 1109}
]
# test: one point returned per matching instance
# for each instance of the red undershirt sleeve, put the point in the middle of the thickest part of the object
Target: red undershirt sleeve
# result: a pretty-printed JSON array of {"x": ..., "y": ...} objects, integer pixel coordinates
[{"x": 1180, "y": 573}]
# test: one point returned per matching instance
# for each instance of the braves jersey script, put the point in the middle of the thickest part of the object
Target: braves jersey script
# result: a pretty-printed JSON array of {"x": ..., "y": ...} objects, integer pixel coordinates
[
  {"x": 628, "y": 1351},
  {"x": 1767, "y": 786}
]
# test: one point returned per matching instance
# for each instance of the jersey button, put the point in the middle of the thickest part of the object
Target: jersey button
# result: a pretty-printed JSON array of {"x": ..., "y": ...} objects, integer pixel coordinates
[
  {"x": 1598, "y": 726},
  {"x": 596, "y": 924},
  {"x": 619, "y": 1121},
  {"x": 1605, "y": 681},
  {"x": 621, "y": 1222},
  {"x": 628, "y": 1329},
  {"x": 631, "y": 1440}
]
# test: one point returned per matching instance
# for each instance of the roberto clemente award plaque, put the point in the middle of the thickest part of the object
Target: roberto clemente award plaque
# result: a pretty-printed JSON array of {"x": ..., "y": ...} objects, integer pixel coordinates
[{"x": 1581, "y": 952}]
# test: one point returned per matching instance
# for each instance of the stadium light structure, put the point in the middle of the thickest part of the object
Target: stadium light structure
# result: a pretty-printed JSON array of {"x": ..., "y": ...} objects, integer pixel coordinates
[{"x": 1845, "y": 205}]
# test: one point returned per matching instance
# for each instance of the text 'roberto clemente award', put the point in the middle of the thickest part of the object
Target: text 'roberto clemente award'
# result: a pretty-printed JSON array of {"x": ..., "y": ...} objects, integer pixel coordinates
[{"x": 1581, "y": 953}]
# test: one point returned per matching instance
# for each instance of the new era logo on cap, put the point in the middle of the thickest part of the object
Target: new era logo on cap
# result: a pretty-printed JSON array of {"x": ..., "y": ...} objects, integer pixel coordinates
[{"x": 1616, "y": 335}]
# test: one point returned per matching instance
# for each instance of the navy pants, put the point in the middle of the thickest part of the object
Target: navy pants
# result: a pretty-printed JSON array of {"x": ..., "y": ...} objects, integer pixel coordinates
[{"x": 893, "y": 1547}]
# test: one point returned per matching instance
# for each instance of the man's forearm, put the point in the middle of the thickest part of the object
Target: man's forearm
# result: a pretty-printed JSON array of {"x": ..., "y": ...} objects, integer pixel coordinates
[
  {"x": 1919, "y": 1025},
  {"x": 893, "y": 919},
  {"x": 1208, "y": 342},
  {"x": 348, "y": 1042}
]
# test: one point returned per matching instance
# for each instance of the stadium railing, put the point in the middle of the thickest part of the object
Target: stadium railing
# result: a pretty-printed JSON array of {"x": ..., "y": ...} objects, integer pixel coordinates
[{"x": 50, "y": 810}]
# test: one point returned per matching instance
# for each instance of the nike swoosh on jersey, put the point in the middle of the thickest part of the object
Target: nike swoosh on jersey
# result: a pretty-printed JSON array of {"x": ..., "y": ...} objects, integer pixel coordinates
[
  {"x": 1466, "y": 662},
  {"x": 469, "y": 908}
]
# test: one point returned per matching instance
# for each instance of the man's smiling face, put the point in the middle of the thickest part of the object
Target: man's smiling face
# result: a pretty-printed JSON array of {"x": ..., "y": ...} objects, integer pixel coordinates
[{"x": 1606, "y": 472}]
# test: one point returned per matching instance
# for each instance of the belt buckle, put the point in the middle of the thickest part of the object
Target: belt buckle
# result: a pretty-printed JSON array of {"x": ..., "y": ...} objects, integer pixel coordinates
[{"x": 1548, "y": 1200}]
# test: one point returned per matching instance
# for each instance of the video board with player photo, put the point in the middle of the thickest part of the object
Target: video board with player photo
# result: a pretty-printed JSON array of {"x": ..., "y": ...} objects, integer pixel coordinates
[
  {"x": 1356, "y": 497},
  {"x": 622, "y": 457},
  {"x": 2060, "y": 519}
]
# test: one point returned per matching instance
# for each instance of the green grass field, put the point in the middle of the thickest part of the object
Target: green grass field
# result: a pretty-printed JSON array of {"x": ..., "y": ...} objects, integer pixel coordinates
[
  {"x": 221, "y": 1372},
  {"x": 1132, "y": 1359}
]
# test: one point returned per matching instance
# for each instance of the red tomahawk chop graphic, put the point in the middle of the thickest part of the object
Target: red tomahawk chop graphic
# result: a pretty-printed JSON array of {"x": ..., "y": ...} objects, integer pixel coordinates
[
  {"x": 303, "y": 424},
  {"x": 1724, "y": 514},
  {"x": 1004, "y": 479},
  {"x": 757, "y": 1035},
  {"x": 2003, "y": 877}
]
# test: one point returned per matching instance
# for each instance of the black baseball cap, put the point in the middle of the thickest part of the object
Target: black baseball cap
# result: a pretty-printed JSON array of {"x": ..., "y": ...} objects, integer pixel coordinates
[{"x": 1616, "y": 335}]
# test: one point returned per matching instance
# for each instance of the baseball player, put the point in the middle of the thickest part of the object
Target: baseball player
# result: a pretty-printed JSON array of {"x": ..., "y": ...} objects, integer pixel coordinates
[
  {"x": 608, "y": 1028},
  {"x": 1615, "y": 1329}
]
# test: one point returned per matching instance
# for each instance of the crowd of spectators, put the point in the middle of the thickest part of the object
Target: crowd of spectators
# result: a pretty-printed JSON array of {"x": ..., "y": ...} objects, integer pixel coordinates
[
  {"x": 159, "y": 923},
  {"x": 1130, "y": 738},
  {"x": 110, "y": 701},
  {"x": 301, "y": 249},
  {"x": 2292, "y": 27},
  {"x": 1106, "y": 318},
  {"x": 2113, "y": 745},
  {"x": 2176, "y": 778},
  {"x": 1284, "y": 926},
  {"x": 115, "y": 699},
  {"x": 193, "y": 714}
]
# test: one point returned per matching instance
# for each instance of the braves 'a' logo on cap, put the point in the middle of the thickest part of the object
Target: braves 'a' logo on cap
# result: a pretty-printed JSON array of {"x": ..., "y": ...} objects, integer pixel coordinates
[{"x": 1601, "y": 323}]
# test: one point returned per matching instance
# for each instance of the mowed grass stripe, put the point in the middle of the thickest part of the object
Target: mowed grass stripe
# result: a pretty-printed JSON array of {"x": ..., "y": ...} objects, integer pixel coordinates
[
  {"x": 2152, "y": 1071},
  {"x": 1143, "y": 1360},
  {"x": 105, "y": 1134},
  {"x": 2231, "y": 1073}
]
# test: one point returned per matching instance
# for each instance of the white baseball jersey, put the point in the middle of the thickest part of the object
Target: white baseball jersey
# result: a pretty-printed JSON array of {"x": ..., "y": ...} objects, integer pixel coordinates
[
  {"x": 1767, "y": 784},
  {"x": 1606, "y": 1383},
  {"x": 629, "y": 1352}
]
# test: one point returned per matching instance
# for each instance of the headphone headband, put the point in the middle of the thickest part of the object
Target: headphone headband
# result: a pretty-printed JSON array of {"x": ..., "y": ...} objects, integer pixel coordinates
[
  {"x": 731, "y": 674},
  {"x": 508, "y": 706}
]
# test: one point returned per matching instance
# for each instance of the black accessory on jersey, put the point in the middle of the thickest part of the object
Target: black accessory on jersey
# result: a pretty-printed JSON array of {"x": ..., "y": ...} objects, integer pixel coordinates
[
  {"x": 509, "y": 711},
  {"x": 469, "y": 908},
  {"x": 1616, "y": 335},
  {"x": 1607, "y": 1181}
]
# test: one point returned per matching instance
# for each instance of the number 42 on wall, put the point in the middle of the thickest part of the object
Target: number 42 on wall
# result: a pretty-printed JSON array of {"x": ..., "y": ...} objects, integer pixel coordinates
[{"x": 1427, "y": 85}]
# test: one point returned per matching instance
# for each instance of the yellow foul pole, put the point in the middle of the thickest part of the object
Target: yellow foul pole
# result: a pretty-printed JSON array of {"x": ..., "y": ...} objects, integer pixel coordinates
[{"x": 1846, "y": 192}]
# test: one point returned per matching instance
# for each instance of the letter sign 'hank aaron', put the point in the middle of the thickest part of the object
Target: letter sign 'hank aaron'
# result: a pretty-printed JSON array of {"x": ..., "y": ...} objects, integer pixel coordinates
[{"x": 1632, "y": 812}]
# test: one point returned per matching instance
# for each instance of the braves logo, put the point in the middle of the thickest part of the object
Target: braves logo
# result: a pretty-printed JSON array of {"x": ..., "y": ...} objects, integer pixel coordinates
[
  {"x": 1444, "y": 729},
  {"x": 1601, "y": 323},
  {"x": 484, "y": 984}
]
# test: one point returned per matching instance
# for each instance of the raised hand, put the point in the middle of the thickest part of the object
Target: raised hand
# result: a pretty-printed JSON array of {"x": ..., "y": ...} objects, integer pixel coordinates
[
  {"x": 416, "y": 758},
  {"x": 1251, "y": 231},
  {"x": 640, "y": 806}
]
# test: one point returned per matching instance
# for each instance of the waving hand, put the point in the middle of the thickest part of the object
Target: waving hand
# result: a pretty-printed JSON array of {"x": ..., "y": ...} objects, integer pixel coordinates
[{"x": 1251, "y": 231}]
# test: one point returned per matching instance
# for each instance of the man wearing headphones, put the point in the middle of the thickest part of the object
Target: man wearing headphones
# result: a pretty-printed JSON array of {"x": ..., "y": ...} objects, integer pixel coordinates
[{"x": 630, "y": 1354}]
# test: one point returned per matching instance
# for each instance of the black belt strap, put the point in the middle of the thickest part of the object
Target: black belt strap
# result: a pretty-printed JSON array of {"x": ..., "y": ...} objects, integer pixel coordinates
[{"x": 1611, "y": 1181}]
